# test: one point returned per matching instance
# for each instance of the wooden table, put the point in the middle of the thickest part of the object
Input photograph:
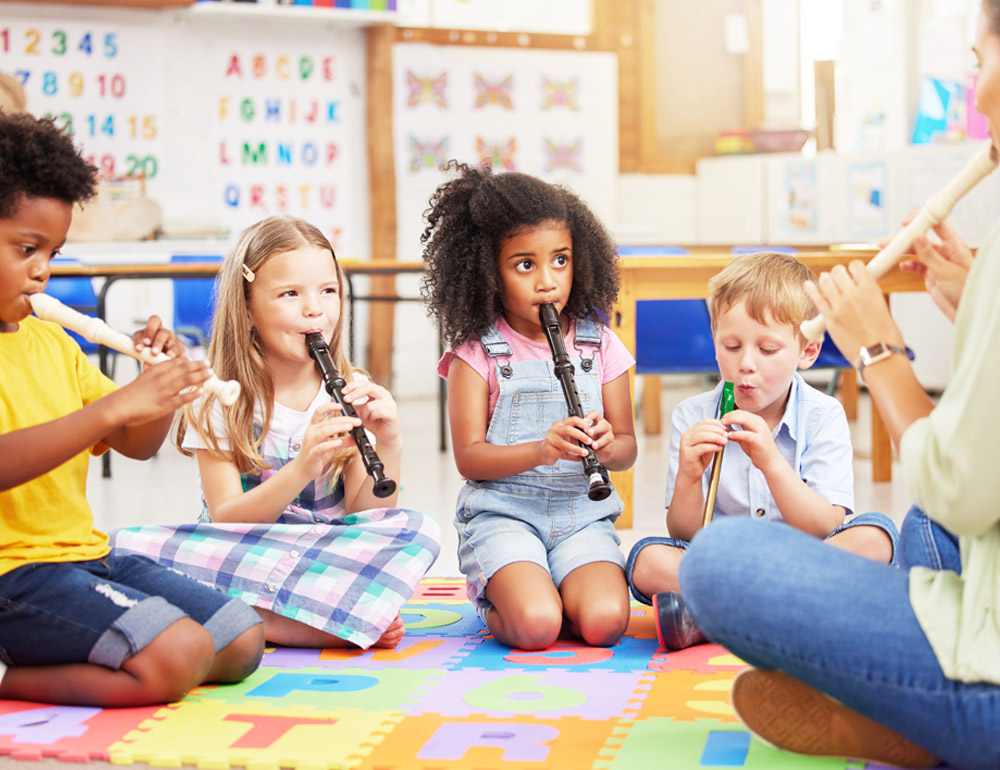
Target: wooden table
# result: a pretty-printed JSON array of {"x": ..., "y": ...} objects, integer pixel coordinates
[{"x": 686, "y": 277}]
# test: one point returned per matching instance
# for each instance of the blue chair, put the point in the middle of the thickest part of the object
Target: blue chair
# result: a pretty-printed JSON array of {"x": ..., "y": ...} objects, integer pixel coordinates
[
  {"x": 194, "y": 302},
  {"x": 76, "y": 293},
  {"x": 672, "y": 336}
]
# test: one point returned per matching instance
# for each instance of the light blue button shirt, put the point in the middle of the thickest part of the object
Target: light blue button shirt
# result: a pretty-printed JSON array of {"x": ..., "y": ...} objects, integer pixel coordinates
[{"x": 813, "y": 436}]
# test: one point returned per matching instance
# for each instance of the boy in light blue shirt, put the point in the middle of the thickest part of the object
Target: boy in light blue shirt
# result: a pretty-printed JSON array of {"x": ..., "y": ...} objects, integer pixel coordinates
[{"x": 793, "y": 461}]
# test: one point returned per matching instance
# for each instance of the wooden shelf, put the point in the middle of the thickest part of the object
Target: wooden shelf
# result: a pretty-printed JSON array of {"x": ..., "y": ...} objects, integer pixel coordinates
[
  {"x": 152, "y": 4},
  {"x": 341, "y": 17}
]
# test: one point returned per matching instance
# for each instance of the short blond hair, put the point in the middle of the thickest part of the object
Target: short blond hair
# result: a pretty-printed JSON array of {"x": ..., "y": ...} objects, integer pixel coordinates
[{"x": 769, "y": 284}]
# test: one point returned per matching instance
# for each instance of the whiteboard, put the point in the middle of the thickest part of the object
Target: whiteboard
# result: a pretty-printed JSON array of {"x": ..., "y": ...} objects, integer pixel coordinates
[{"x": 230, "y": 119}]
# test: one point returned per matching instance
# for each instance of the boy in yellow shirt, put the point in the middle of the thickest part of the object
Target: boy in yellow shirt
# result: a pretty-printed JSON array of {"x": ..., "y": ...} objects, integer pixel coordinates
[{"x": 79, "y": 624}]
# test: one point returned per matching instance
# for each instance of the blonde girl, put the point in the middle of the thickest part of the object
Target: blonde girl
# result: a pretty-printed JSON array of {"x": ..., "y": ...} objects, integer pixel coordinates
[{"x": 290, "y": 523}]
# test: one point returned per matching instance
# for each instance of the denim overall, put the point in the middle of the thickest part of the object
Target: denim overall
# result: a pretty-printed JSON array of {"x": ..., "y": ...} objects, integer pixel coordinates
[{"x": 542, "y": 515}]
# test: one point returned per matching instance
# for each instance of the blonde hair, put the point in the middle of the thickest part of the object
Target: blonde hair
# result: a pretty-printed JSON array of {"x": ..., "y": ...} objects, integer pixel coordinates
[
  {"x": 12, "y": 98},
  {"x": 235, "y": 354},
  {"x": 769, "y": 284}
]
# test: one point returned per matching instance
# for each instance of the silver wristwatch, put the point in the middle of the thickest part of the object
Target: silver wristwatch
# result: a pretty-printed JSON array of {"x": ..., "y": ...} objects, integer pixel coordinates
[{"x": 879, "y": 352}]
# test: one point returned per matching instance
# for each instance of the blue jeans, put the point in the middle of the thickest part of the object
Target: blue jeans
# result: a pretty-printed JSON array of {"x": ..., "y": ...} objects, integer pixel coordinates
[
  {"x": 842, "y": 624},
  {"x": 106, "y": 610},
  {"x": 870, "y": 519}
]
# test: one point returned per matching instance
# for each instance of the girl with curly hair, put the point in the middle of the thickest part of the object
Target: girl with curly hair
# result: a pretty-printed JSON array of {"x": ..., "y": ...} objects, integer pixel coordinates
[{"x": 536, "y": 552}]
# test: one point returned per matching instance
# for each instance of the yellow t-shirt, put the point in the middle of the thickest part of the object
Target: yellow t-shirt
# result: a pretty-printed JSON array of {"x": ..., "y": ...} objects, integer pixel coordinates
[{"x": 43, "y": 376}]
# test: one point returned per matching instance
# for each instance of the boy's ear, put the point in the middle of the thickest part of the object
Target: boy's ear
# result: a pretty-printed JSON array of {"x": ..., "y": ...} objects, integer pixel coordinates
[{"x": 809, "y": 354}]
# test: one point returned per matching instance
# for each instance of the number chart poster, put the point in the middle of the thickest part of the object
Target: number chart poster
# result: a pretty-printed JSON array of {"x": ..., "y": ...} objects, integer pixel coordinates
[
  {"x": 289, "y": 132},
  {"x": 96, "y": 78},
  {"x": 553, "y": 114}
]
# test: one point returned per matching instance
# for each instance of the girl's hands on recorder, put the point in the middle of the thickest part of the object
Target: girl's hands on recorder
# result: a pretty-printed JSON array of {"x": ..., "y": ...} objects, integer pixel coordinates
[
  {"x": 328, "y": 431},
  {"x": 562, "y": 442},
  {"x": 379, "y": 412}
]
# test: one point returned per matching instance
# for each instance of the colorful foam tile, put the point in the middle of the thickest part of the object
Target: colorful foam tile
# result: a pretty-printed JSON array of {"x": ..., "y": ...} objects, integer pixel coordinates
[
  {"x": 359, "y": 688},
  {"x": 413, "y": 652},
  {"x": 703, "y": 658},
  {"x": 697, "y": 745},
  {"x": 627, "y": 655},
  {"x": 441, "y": 619},
  {"x": 433, "y": 742},
  {"x": 223, "y": 735},
  {"x": 36, "y": 731},
  {"x": 541, "y": 693}
]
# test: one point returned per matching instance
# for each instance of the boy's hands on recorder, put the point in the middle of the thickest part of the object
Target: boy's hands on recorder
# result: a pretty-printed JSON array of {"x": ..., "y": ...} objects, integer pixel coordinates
[
  {"x": 159, "y": 390},
  {"x": 158, "y": 338},
  {"x": 755, "y": 439},
  {"x": 698, "y": 446}
]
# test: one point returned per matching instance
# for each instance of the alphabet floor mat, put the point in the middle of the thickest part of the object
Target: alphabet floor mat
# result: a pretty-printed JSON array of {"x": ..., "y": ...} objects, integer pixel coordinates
[{"x": 448, "y": 697}]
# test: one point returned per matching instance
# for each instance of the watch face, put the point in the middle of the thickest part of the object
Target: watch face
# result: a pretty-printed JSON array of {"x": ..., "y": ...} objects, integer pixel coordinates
[{"x": 874, "y": 352}]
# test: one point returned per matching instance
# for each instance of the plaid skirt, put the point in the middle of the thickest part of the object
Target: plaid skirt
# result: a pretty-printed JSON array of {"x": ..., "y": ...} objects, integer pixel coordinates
[{"x": 348, "y": 577}]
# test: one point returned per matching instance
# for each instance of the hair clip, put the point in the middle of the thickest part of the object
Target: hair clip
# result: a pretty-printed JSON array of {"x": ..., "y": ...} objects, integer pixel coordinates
[{"x": 248, "y": 274}]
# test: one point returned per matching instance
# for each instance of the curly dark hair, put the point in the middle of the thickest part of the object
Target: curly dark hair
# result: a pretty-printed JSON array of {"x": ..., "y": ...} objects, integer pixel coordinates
[
  {"x": 468, "y": 219},
  {"x": 39, "y": 160}
]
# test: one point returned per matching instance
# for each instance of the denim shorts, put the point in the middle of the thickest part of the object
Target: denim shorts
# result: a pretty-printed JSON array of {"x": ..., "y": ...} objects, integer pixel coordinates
[
  {"x": 871, "y": 519},
  {"x": 105, "y": 611},
  {"x": 556, "y": 527}
]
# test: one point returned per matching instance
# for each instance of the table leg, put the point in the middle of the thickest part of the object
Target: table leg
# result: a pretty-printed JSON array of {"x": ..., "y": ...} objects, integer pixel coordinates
[
  {"x": 881, "y": 448},
  {"x": 652, "y": 417}
]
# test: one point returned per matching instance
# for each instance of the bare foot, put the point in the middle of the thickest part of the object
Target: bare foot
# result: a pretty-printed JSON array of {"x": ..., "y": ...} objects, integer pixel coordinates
[{"x": 393, "y": 634}]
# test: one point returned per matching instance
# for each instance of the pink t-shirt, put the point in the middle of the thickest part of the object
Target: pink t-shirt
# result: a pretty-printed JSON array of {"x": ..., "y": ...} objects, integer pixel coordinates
[{"x": 612, "y": 360}]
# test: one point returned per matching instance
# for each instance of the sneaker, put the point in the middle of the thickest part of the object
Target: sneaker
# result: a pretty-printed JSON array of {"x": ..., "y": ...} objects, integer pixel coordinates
[
  {"x": 675, "y": 626},
  {"x": 788, "y": 714}
]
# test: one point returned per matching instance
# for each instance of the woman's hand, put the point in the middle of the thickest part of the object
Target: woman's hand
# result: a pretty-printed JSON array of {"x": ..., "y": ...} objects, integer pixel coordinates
[
  {"x": 854, "y": 309},
  {"x": 944, "y": 263}
]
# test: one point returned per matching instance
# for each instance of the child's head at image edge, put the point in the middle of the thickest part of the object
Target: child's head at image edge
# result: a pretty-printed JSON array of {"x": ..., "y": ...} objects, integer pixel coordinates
[
  {"x": 42, "y": 175},
  {"x": 469, "y": 218},
  {"x": 38, "y": 160}
]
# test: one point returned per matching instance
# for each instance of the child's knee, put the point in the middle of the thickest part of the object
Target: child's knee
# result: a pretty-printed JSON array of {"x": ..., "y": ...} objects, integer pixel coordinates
[
  {"x": 240, "y": 657},
  {"x": 603, "y": 622},
  {"x": 174, "y": 663},
  {"x": 871, "y": 542},
  {"x": 533, "y": 626}
]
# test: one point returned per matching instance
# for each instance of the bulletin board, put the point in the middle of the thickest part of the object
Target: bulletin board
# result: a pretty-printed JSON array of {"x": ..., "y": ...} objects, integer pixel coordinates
[
  {"x": 229, "y": 120},
  {"x": 553, "y": 114}
]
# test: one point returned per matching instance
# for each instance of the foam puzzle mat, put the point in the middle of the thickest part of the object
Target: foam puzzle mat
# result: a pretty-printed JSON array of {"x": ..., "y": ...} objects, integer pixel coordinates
[{"x": 449, "y": 697}]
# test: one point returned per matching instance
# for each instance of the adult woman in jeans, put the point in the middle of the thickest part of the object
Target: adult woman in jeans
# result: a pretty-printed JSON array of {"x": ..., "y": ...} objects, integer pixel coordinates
[{"x": 858, "y": 659}]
